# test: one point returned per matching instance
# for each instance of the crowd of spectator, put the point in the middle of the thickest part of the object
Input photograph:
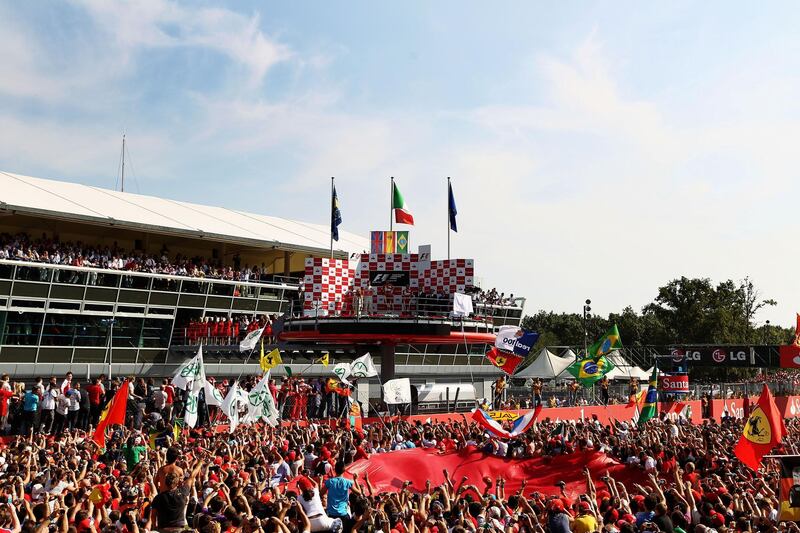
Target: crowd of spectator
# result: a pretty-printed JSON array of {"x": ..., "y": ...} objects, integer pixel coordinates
[
  {"x": 491, "y": 297},
  {"x": 21, "y": 247},
  {"x": 291, "y": 479}
]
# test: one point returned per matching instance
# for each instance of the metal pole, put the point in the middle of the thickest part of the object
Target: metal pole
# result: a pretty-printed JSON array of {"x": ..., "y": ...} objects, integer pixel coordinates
[
  {"x": 122, "y": 181},
  {"x": 448, "y": 218},
  {"x": 332, "y": 208},
  {"x": 391, "y": 203}
]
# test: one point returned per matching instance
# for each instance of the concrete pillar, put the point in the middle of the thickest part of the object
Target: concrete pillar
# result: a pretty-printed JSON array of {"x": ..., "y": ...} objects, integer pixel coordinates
[
  {"x": 287, "y": 263},
  {"x": 387, "y": 362}
]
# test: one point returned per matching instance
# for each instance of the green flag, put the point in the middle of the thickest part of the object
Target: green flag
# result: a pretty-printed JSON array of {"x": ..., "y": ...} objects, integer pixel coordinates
[
  {"x": 610, "y": 341},
  {"x": 588, "y": 370},
  {"x": 650, "y": 407}
]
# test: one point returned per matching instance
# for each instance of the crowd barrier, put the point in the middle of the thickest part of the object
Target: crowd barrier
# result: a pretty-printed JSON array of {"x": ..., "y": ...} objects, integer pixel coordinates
[{"x": 788, "y": 406}]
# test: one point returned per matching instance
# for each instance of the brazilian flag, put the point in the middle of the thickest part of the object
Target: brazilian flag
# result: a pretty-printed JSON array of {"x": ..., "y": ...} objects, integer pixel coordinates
[
  {"x": 610, "y": 341},
  {"x": 588, "y": 370},
  {"x": 650, "y": 407}
]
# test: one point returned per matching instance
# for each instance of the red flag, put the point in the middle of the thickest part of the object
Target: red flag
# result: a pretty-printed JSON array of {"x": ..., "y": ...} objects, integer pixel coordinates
[
  {"x": 507, "y": 362},
  {"x": 114, "y": 413},
  {"x": 763, "y": 431}
]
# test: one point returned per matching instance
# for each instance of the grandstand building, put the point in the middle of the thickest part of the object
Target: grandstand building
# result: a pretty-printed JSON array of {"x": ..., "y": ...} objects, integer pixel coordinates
[{"x": 95, "y": 280}]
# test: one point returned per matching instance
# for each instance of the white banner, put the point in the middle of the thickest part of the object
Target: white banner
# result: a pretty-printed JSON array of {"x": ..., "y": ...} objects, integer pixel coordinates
[
  {"x": 233, "y": 401},
  {"x": 189, "y": 372},
  {"x": 213, "y": 395},
  {"x": 250, "y": 342},
  {"x": 342, "y": 371},
  {"x": 507, "y": 338},
  {"x": 261, "y": 404},
  {"x": 363, "y": 367},
  {"x": 397, "y": 391},
  {"x": 462, "y": 305}
]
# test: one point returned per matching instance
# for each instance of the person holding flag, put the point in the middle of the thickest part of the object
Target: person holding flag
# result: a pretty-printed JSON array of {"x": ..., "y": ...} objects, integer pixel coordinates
[{"x": 650, "y": 406}]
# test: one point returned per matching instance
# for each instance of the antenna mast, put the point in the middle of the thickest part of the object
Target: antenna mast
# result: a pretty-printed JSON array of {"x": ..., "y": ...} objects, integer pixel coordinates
[{"x": 122, "y": 181}]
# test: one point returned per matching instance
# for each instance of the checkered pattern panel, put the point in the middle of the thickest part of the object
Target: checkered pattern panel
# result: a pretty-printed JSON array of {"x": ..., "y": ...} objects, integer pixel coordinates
[{"x": 326, "y": 281}]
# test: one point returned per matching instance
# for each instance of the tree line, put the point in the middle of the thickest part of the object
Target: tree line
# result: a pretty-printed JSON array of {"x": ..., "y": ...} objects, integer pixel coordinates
[{"x": 685, "y": 311}]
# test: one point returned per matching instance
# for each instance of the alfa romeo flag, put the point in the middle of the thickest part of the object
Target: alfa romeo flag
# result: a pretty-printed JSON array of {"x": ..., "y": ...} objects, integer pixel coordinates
[
  {"x": 763, "y": 431},
  {"x": 507, "y": 362},
  {"x": 402, "y": 215}
]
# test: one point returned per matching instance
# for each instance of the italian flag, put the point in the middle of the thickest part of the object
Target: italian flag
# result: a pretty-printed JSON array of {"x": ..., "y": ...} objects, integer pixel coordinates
[{"x": 401, "y": 213}]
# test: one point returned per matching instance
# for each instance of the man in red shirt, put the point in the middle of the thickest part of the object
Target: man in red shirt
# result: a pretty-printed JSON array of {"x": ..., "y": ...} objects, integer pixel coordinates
[
  {"x": 167, "y": 387},
  {"x": 5, "y": 394},
  {"x": 96, "y": 394}
]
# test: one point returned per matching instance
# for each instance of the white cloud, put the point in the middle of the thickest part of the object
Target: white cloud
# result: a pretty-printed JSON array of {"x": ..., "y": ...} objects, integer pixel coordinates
[{"x": 160, "y": 23}]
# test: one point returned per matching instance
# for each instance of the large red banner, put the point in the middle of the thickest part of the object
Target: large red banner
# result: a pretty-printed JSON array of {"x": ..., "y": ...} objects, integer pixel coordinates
[{"x": 389, "y": 471}]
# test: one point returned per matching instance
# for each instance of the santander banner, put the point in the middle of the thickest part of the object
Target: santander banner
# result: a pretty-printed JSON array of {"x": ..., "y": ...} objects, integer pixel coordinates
[{"x": 676, "y": 384}]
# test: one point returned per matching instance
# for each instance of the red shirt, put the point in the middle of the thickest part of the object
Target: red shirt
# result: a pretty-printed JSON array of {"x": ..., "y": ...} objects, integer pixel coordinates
[
  {"x": 4, "y": 396},
  {"x": 170, "y": 394},
  {"x": 95, "y": 393}
]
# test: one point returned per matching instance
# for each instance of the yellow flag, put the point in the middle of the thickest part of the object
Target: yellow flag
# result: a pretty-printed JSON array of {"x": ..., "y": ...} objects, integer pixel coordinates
[
  {"x": 271, "y": 360},
  {"x": 325, "y": 359}
]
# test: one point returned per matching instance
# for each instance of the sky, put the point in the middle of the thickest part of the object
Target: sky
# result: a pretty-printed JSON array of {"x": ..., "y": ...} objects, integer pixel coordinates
[{"x": 596, "y": 149}]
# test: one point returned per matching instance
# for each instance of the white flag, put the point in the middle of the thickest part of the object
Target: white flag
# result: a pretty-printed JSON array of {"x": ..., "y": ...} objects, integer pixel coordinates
[
  {"x": 462, "y": 304},
  {"x": 188, "y": 373},
  {"x": 233, "y": 401},
  {"x": 213, "y": 396},
  {"x": 363, "y": 367},
  {"x": 197, "y": 384},
  {"x": 342, "y": 371},
  {"x": 251, "y": 340},
  {"x": 397, "y": 391},
  {"x": 507, "y": 338},
  {"x": 261, "y": 404}
]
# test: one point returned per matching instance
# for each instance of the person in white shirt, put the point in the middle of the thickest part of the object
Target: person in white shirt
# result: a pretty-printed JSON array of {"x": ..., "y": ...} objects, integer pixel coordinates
[
  {"x": 62, "y": 410},
  {"x": 74, "y": 397},
  {"x": 48, "y": 408}
]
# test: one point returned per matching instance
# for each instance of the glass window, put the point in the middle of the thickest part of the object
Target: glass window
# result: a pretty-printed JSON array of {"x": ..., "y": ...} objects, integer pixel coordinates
[{"x": 22, "y": 329}]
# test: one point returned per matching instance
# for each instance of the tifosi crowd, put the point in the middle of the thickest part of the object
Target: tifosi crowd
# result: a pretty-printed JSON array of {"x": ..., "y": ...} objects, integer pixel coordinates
[{"x": 292, "y": 479}]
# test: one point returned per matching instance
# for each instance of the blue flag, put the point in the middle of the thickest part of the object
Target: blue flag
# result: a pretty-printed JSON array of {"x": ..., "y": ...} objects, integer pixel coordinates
[
  {"x": 451, "y": 207},
  {"x": 336, "y": 215}
]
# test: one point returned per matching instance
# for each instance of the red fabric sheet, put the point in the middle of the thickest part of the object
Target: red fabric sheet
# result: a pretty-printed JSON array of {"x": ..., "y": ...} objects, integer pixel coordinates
[{"x": 388, "y": 471}]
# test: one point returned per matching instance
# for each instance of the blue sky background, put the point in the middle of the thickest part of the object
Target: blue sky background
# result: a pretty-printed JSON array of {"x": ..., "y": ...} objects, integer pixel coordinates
[{"x": 597, "y": 149}]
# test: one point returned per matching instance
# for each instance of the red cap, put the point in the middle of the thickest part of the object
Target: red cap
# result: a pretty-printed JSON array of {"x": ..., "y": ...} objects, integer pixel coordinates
[
  {"x": 556, "y": 505},
  {"x": 718, "y": 519},
  {"x": 305, "y": 484},
  {"x": 291, "y": 456},
  {"x": 629, "y": 518},
  {"x": 584, "y": 506}
]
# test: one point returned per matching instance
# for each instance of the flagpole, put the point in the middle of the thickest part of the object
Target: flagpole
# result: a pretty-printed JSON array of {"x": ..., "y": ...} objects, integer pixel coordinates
[
  {"x": 448, "y": 218},
  {"x": 332, "y": 208},
  {"x": 391, "y": 202}
]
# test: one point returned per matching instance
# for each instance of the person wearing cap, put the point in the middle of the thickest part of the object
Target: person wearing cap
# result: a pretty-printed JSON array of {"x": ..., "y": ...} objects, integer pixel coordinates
[
  {"x": 557, "y": 517},
  {"x": 585, "y": 522}
]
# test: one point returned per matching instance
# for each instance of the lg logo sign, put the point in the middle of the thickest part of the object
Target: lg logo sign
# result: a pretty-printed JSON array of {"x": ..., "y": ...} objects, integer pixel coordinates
[
  {"x": 679, "y": 355},
  {"x": 720, "y": 356}
]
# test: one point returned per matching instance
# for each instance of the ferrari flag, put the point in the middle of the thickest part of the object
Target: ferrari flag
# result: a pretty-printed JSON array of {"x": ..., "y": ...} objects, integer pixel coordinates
[
  {"x": 763, "y": 431},
  {"x": 507, "y": 362}
]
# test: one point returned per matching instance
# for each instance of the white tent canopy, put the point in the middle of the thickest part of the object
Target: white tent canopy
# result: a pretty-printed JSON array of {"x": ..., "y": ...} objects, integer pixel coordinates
[
  {"x": 547, "y": 365},
  {"x": 623, "y": 369}
]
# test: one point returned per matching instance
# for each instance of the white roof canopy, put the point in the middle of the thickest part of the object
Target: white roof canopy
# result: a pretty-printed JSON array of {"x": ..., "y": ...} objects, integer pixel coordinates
[
  {"x": 547, "y": 365},
  {"x": 93, "y": 205}
]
